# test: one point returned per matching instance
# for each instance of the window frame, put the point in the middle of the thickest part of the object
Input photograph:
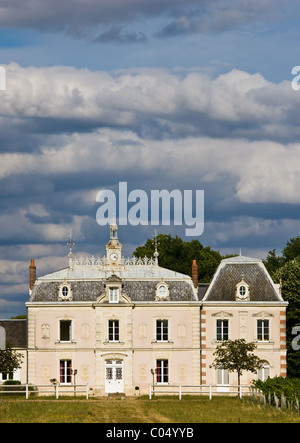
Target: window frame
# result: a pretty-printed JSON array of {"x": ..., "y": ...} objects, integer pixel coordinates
[
  {"x": 113, "y": 294},
  {"x": 113, "y": 330},
  {"x": 61, "y": 332},
  {"x": 162, "y": 371},
  {"x": 162, "y": 330},
  {"x": 220, "y": 330},
  {"x": 65, "y": 372},
  {"x": 263, "y": 331}
]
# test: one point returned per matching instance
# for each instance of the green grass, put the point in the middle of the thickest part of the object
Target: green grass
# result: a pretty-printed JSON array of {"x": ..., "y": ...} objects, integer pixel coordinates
[{"x": 190, "y": 409}]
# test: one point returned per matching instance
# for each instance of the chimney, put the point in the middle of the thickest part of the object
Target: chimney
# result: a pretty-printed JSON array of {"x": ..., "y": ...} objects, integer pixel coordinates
[
  {"x": 195, "y": 274},
  {"x": 32, "y": 275}
]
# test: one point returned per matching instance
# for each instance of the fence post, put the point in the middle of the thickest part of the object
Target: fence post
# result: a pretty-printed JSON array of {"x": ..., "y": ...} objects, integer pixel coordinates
[
  {"x": 240, "y": 391},
  {"x": 56, "y": 391},
  {"x": 87, "y": 391},
  {"x": 210, "y": 394},
  {"x": 26, "y": 391},
  {"x": 150, "y": 392},
  {"x": 179, "y": 392}
]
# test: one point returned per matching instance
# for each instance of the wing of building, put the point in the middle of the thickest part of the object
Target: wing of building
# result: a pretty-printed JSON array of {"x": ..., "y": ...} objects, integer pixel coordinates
[{"x": 122, "y": 323}]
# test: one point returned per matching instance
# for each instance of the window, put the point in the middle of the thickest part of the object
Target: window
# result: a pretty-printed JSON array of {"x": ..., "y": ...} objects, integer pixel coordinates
[
  {"x": 222, "y": 329},
  {"x": 264, "y": 372},
  {"x": 113, "y": 330},
  {"x": 113, "y": 295},
  {"x": 263, "y": 330},
  {"x": 162, "y": 292},
  {"x": 162, "y": 371},
  {"x": 65, "y": 291},
  {"x": 242, "y": 291},
  {"x": 65, "y": 330},
  {"x": 162, "y": 330},
  {"x": 65, "y": 371},
  {"x": 222, "y": 376}
]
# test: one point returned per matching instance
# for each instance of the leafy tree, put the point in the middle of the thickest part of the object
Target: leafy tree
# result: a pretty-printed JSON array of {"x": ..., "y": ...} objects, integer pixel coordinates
[
  {"x": 273, "y": 262},
  {"x": 289, "y": 277},
  {"x": 236, "y": 355},
  {"x": 178, "y": 255},
  {"x": 10, "y": 360}
]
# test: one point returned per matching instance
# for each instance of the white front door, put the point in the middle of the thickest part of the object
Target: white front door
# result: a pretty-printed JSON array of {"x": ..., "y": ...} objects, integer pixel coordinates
[{"x": 114, "y": 379}]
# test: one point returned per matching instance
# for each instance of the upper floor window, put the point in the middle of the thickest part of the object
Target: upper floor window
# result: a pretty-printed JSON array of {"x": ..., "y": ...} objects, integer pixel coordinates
[
  {"x": 263, "y": 330},
  {"x": 113, "y": 295},
  {"x": 65, "y": 333},
  {"x": 113, "y": 330},
  {"x": 222, "y": 330},
  {"x": 162, "y": 330}
]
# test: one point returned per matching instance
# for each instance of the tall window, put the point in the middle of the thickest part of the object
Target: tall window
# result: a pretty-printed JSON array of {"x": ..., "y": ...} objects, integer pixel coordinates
[
  {"x": 162, "y": 330},
  {"x": 263, "y": 330},
  {"x": 65, "y": 371},
  {"x": 162, "y": 371},
  {"x": 113, "y": 295},
  {"x": 113, "y": 330},
  {"x": 222, "y": 329},
  {"x": 264, "y": 371},
  {"x": 65, "y": 333},
  {"x": 222, "y": 376}
]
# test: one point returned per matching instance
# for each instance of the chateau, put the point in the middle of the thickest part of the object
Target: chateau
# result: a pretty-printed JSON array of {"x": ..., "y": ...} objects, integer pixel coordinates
[{"x": 121, "y": 323}]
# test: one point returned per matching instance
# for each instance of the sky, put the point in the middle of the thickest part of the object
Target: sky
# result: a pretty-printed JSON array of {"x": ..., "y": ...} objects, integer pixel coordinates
[{"x": 173, "y": 94}]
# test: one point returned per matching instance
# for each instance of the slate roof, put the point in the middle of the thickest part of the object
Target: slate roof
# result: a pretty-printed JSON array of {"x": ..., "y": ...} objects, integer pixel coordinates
[
  {"x": 232, "y": 271},
  {"x": 137, "y": 290},
  {"x": 15, "y": 332}
]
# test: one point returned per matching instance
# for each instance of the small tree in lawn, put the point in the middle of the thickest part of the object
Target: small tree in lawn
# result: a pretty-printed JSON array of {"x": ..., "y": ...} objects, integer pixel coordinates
[
  {"x": 236, "y": 355},
  {"x": 10, "y": 360}
]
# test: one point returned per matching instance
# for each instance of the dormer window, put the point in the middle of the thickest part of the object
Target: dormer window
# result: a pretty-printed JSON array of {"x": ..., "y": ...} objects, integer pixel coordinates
[
  {"x": 65, "y": 291},
  {"x": 242, "y": 291},
  {"x": 113, "y": 295},
  {"x": 162, "y": 291}
]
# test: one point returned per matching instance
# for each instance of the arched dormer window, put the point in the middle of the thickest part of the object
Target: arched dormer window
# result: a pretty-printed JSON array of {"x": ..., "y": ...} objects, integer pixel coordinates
[
  {"x": 65, "y": 291},
  {"x": 242, "y": 291},
  {"x": 162, "y": 291}
]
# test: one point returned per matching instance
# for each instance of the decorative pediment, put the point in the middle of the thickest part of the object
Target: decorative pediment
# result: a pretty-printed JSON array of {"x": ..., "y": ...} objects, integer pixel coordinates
[
  {"x": 222, "y": 314},
  {"x": 113, "y": 278},
  {"x": 263, "y": 314}
]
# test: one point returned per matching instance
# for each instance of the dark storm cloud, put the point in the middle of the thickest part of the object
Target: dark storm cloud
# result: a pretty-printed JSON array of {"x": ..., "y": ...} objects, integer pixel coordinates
[{"x": 82, "y": 18}]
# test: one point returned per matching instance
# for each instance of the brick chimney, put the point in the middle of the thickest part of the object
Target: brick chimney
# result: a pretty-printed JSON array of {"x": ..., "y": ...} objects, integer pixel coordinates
[
  {"x": 32, "y": 275},
  {"x": 195, "y": 274}
]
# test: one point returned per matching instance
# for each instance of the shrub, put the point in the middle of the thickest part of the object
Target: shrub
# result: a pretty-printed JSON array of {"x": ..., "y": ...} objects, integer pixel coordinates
[{"x": 289, "y": 387}]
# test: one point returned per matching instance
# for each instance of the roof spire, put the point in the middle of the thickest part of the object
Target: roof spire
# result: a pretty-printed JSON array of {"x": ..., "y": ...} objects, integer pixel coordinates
[
  {"x": 156, "y": 254},
  {"x": 70, "y": 243}
]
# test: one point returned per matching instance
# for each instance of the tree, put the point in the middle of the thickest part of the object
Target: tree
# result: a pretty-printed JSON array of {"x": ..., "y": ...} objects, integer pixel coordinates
[
  {"x": 289, "y": 277},
  {"x": 10, "y": 360},
  {"x": 236, "y": 355},
  {"x": 177, "y": 255},
  {"x": 273, "y": 262}
]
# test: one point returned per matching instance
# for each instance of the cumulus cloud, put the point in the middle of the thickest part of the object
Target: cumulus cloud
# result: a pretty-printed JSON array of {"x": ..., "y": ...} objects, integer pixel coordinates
[{"x": 155, "y": 102}]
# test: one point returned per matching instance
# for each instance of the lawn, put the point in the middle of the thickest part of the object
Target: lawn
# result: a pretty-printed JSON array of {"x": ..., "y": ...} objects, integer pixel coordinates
[{"x": 141, "y": 410}]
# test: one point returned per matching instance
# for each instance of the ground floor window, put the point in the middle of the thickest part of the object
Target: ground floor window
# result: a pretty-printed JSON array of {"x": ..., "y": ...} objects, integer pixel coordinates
[
  {"x": 264, "y": 372},
  {"x": 65, "y": 371},
  {"x": 222, "y": 376},
  {"x": 162, "y": 371}
]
